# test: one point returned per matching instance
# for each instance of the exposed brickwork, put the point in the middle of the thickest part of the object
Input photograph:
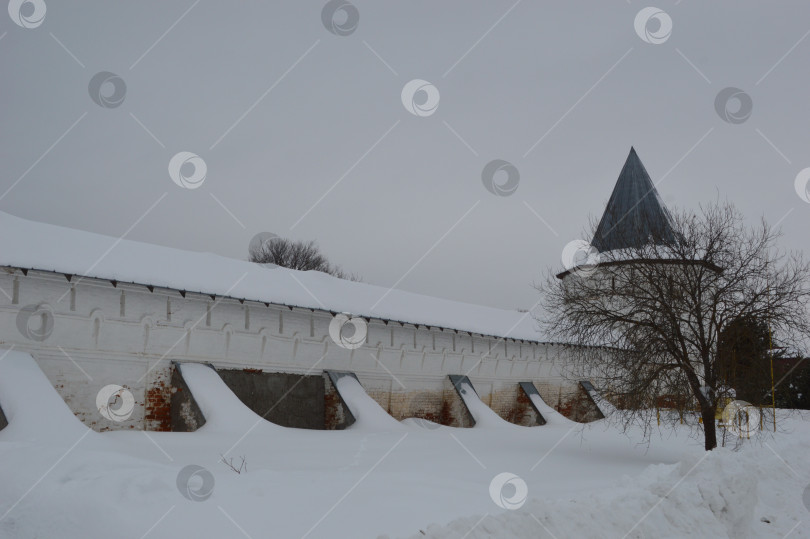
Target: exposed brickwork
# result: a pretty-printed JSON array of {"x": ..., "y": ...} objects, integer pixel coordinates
[
  {"x": 571, "y": 401},
  {"x": 158, "y": 401},
  {"x": 580, "y": 407},
  {"x": 454, "y": 411},
  {"x": 446, "y": 415},
  {"x": 513, "y": 405},
  {"x": 521, "y": 412},
  {"x": 446, "y": 407},
  {"x": 336, "y": 415},
  {"x": 424, "y": 404},
  {"x": 442, "y": 406}
]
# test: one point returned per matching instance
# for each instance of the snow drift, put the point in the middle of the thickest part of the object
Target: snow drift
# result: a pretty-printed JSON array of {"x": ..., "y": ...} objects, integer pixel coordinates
[
  {"x": 722, "y": 493},
  {"x": 60, "y": 479},
  {"x": 34, "y": 410}
]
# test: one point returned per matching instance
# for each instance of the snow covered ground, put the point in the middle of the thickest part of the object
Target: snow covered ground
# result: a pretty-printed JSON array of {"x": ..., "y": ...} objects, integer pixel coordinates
[{"x": 380, "y": 477}]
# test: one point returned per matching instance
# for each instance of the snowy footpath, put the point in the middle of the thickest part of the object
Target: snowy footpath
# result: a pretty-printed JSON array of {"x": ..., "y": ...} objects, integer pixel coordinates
[{"x": 382, "y": 478}]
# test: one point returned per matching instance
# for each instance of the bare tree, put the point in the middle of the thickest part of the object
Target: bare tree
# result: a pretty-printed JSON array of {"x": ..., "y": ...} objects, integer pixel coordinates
[
  {"x": 298, "y": 255},
  {"x": 647, "y": 320}
]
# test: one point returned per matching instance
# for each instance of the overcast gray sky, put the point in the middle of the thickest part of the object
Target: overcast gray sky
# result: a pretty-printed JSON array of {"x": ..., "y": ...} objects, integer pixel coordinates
[{"x": 304, "y": 132}]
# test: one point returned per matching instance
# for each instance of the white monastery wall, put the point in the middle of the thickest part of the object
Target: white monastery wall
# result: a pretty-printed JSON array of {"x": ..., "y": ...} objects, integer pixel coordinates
[{"x": 126, "y": 334}]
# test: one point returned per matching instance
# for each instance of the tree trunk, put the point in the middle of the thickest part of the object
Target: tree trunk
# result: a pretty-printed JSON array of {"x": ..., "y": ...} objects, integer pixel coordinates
[{"x": 709, "y": 427}]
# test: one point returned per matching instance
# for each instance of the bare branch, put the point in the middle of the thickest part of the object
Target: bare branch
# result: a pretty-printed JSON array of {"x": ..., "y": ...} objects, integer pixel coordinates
[{"x": 651, "y": 321}]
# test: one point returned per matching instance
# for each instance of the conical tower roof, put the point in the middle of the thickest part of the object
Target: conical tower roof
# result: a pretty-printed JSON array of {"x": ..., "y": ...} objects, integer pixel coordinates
[{"x": 635, "y": 214}]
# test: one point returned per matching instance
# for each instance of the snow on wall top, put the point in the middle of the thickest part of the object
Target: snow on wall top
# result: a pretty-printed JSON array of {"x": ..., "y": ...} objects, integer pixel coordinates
[{"x": 34, "y": 245}]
